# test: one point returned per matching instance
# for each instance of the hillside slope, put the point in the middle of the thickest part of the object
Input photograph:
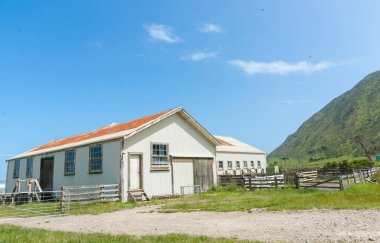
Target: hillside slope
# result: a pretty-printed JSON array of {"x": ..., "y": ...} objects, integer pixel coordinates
[{"x": 331, "y": 132}]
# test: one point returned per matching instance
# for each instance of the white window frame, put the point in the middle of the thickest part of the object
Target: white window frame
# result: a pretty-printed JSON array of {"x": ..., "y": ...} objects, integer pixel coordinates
[
  {"x": 236, "y": 165},
  {"x": 258, "y": 165},
  {"x": 221, "y": 163},
  {"x": 252, "y": 164},
  {"x": 245, "y": 164},
  {"x": 228, "y": 165},
  {"x": 155, "y": 165}
]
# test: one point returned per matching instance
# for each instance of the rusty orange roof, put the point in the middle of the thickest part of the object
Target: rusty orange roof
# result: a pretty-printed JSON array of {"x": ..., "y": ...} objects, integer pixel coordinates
[{"x": 113, "y": 128}]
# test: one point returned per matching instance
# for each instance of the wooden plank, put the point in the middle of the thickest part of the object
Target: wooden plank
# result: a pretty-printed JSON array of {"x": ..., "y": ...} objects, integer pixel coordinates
[
  {"x": 88, "y": 186},
  {"x": 95, "y": 201},
  {"x": 71, "y": 193}
]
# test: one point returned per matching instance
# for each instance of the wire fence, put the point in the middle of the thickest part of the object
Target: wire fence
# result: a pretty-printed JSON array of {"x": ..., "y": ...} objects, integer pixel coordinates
[{"x": 30, "y": 204}]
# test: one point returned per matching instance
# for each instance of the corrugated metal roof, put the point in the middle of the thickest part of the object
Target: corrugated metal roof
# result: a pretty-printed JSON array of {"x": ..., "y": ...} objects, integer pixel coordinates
[
  {"x": 230, "y": 144},
  {"x": 112, "y": 131}
]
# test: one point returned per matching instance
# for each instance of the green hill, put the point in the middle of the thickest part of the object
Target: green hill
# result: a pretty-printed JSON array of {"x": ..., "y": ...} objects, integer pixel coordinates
[{"x": 341, "y": 128}]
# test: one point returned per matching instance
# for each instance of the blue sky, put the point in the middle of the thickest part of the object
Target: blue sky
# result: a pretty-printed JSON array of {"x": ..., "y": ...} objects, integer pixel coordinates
[{"x": 254, "y": 70}]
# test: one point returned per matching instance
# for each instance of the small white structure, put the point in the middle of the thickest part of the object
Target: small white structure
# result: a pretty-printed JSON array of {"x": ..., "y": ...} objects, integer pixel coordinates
[
  {"x": 235, "y": 157},
  {"x": 158, "y": 153}
]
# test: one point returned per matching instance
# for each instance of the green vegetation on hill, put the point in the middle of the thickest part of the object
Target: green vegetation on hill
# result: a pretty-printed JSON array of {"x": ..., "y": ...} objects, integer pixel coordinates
[{"x": 348, "y": 126}]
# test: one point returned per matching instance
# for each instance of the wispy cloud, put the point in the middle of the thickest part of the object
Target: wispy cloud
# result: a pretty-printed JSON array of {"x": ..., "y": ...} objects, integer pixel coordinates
[
  {"x": 280, "y": 67},
  {"x": 94, "y": 44},
  {"x": 211, "y": 28},
  {"x": 161, "y": 32},
  {"x": 293, "y": 102},
  {"x": 200, "y": 55}
]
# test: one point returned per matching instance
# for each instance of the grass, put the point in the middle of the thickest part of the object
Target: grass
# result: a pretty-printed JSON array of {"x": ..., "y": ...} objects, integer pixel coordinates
[
  {"x": 365, "y": 196},
  {"x": 11, "y": 234}
]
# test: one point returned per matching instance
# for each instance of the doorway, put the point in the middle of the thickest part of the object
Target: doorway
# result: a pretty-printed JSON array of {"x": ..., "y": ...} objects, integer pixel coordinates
[
  {"x": 135, "y": 172},
  {"x": 46, "y": 174}
]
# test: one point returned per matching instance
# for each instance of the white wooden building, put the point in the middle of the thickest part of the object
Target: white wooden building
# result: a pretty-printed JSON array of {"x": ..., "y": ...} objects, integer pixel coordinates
[
  {"x": 235, "y": 157},
  {"x": 158, "y": 153}
]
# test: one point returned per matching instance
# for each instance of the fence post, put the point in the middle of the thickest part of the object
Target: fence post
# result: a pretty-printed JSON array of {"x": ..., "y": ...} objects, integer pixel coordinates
[
  {"x": 275, "y": 182},
  {"x": 341, "y": 187},
  {"x": 348, "y": 179},
  {"x": 63, "y": 201},
  {"x": 297, "y": 182},
  {"x": 250, "y": 181},
  {"x": 102, "y": 193}
]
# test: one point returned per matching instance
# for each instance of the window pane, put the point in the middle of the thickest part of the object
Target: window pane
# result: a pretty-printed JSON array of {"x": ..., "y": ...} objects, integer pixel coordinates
[{"x": 96, "y": 158}]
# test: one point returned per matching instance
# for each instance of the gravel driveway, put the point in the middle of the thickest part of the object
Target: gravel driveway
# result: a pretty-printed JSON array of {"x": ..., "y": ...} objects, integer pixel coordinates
[{"x": 288, "y": 226}]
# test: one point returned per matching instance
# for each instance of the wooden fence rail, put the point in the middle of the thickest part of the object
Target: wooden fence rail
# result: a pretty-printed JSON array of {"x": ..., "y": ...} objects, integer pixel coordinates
[
  {"x": 89, "y": 194},
  {"x": 331, "y": 180},
  {"x": 254, "y": 181}
]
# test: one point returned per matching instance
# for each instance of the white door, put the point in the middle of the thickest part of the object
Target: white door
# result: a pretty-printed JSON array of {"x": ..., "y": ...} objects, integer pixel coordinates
[
  {"x": 183, "y": 176},
  {"x": 134, "y": 172}
]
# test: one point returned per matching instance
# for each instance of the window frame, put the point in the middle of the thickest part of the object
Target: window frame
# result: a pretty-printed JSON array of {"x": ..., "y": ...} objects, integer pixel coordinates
[
  {"x": 245, "y": 164},
  {"x": 100, "y": 171},
  {"x": 18, "y": 168},
  {"x": 252, "y": 164},
  {"x": 159, "y": 166},
  {"x": 221, "y": 163},
  {"x": 27, "y": 175},
  {"x": 66, "y": 173},
  {"x": 258, "y": 164},
  {"x": 228, "y": 165},
  {"x": 236, "y": 165}
]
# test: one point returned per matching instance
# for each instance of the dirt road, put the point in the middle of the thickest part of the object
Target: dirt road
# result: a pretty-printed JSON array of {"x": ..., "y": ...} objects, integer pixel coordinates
[{"x": 288, "y": 226}]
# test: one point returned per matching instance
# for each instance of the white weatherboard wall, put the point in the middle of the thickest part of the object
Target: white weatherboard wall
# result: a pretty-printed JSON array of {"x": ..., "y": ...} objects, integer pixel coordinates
[
  {"x": 183, "y": 175},
  {"x": 241, "y": 157},
  {"x": 184, "y": 141},
  {"x": 110, "y": 175}
]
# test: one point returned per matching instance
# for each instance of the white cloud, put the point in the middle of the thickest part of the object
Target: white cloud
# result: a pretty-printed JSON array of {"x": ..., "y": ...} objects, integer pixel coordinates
[
  {"x": 280, "y": 67},
  {"x": 200, "y": 55},
  {"x": 162, "y": 33},
  {"x": 211, "y": 28}
]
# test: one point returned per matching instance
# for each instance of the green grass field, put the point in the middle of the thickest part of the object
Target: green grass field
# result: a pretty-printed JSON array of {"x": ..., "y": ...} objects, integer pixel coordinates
[
  {"x": 365, "y": 196},
  {"x": 17, "y": 234}
]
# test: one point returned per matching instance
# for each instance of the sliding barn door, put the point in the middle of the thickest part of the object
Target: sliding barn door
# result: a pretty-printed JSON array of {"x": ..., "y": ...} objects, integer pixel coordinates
[{"x": 203, "y": 173}]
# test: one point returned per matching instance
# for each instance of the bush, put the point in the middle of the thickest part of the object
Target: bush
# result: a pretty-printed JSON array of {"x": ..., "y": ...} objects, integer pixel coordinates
[
  {"x": 376, "y": 176},
  {"x": 231, "y": 187},
  {"x": 345, "y": 164}
]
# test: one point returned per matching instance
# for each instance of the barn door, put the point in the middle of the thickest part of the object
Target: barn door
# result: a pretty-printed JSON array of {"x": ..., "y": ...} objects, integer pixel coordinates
[
  {"x": 46, "y": 174},
  {"x": 203, "y": 173},
  {"x": 134, "y": 172}
]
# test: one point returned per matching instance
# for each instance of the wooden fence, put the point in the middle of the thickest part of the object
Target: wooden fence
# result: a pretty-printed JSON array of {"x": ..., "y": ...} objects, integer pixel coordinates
[
  {"x": 89, "y": 194},
  {"x": 333, "y": 180},
  {"x": 254, "y": 181}
]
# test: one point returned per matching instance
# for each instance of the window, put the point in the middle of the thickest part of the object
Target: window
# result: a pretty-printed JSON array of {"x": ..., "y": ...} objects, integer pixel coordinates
[
  {"x": 252, "y": 164},
  {"x": 237, "y": 165},
  {"x": 160, "y": 155},
  {"x": 16, "y": 169},
  {"x": 96, "y": 159},
  {"x": 258, "y": 165},
  {"x": 245, "y": 164},
  {"x": 29, "y": 167},
  {"x": 229, "y": 165},
  {"x": 220, "y": 165},
  {"x": 70, "y": 162}
]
